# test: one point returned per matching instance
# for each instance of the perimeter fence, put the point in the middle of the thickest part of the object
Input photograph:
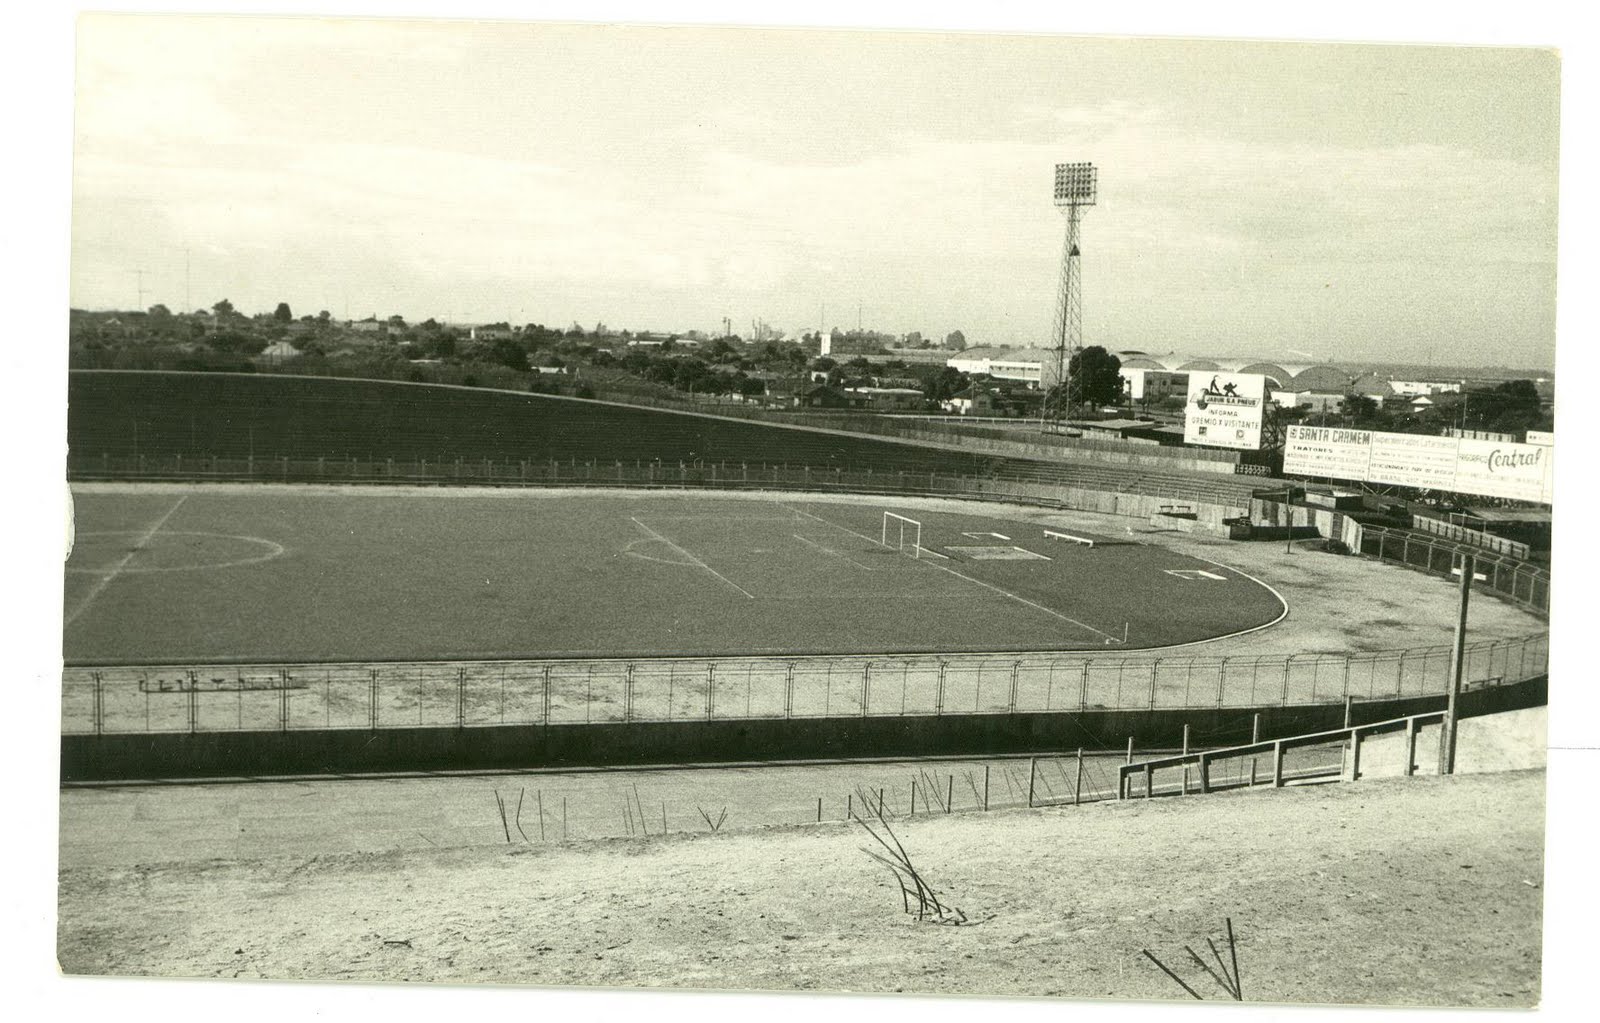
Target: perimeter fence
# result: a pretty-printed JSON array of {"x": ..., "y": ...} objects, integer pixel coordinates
[
  {"x": 1518, "y": 581},
  {"x": 1079, "y": 486},
  {"x": 296, "y": 697}
]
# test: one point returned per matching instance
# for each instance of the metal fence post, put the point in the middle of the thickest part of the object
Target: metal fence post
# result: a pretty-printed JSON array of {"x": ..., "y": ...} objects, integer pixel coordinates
[
  {"x": 194, "y": 702},
  {"x": 372, "y": 700},
  {"x": 1083, "y": 688},
  {"x": 283, "y": 699},
  {"x": 788, "y": 691},
  {"x": 866, "y": 687},
  {"x": 1222, "y": 681},
  {"x": 1011, "y": 701},
  {"x": 627, "y": 692},
  {"x": 99, "y": 703},
  {"x": 546, "y": 696},
  {"x": 711, "y": 687},
  {"x": 461, "y": 697},
  {"x": 938, "y": 699}
]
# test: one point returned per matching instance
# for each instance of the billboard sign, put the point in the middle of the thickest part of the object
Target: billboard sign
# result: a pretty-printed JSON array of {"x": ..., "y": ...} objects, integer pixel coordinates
[
  {"x": 1464, "y": 465},
  {"x": 1414, "y": 460},
  {"x": 1224, "y": 410},
  {"x": 1328, "y": 451},
  {"x": 1519, "y": 472}
]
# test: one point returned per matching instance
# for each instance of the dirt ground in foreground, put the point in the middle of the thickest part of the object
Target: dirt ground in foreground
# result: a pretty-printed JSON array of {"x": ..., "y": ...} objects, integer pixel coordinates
[{"x": 1419, "y": 891}]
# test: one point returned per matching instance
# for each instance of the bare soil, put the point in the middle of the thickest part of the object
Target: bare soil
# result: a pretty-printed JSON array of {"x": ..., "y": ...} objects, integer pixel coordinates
[{"x": 1406, "y": 891}]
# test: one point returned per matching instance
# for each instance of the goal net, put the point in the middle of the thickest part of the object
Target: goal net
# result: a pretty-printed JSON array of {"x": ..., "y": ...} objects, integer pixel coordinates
[{"x": 902, "y": 534}]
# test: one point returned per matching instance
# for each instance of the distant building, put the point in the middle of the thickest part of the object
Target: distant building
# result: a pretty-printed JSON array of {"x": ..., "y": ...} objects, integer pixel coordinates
[
  {"x": 1144, "y": 384},
  {"x": 1418, "y": 388},
  {"x": 1025, "y": 364},
  {"x": 1313, "y": 400},
  {"x": 888, "y": 399}
]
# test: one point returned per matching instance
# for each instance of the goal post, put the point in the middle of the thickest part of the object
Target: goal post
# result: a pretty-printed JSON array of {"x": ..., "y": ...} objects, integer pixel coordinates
[{"x": 902, "y": 533}]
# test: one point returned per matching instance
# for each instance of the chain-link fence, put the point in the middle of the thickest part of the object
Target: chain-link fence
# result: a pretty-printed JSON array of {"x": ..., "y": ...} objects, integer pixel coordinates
[
  {"x": 193, "y": 698},
  {"x": 1518, "y": 581}
]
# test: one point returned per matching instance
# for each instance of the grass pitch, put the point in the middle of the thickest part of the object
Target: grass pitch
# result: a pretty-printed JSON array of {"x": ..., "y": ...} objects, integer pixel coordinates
[{"x": 208, "y": 573}]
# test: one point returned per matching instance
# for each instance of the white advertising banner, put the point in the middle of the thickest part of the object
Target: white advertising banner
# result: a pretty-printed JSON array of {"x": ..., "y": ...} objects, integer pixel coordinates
[
  {"x": 1520, "y": 472},
  {"x": 1465, "y": 465},
  {"x": 1542, "y": 438},
  {"x": 1414, "y": 460},
  {"x": 1224, "y": 410},
  {"x": 1328, "y": 451}
]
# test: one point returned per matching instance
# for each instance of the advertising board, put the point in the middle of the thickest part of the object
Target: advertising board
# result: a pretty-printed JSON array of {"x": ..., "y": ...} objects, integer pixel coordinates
[
  {"x": 1414, "y": 460},
  {"x": 1465, "y": 465},
  {"x": 1328, "y": 451},
  {"x": 1520, "y": 472},
  {"x": 1224, "y": 410}
]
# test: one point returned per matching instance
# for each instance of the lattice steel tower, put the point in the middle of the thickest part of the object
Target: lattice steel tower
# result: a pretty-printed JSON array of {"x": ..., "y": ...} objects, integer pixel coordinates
[{"x": 1075, "y": 189}]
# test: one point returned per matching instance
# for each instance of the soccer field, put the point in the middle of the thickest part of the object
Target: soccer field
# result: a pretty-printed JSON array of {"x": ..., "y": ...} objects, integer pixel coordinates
[{"x": 212, "y": 574}]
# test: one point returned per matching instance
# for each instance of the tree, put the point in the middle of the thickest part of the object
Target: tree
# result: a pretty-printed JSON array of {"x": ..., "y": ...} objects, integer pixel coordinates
[
  {"x": 955, "y": 341},
  {"x": 1095, "y": 377},
  {"x": 223, "y": 309},
  {"x": 507, "y": 352},
  {"x": 282, "y": 313},
  {"x": 397, "y": 321},
  {"x": 324, "y": 316},
  {"x": 160, "y": 312},
  {"x": 945, "y": 384}
]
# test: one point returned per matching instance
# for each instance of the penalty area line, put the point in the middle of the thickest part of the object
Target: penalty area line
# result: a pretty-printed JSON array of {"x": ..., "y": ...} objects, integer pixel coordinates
[
  {"x": 961, "y": 575},
  {"x": 829, "y": 550},
  {"x": 692, "y": 558}
]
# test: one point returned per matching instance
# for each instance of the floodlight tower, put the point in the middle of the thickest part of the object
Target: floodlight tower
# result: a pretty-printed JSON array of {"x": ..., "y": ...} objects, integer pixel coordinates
[{"x": 1075, "y": 189}]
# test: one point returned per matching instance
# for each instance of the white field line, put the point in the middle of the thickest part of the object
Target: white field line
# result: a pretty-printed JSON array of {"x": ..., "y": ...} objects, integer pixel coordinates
[
  {"x": 829, "y": 550},
  {"x": 692, "y": 558},
  {"x": 116, "y": 570},
  {"x": 988, "y": 586},
  {"x": 875, "y": 541}
]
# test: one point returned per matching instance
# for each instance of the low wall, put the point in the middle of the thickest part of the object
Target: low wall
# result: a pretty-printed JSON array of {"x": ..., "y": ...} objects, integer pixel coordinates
[{"x": 87, "y": 758}]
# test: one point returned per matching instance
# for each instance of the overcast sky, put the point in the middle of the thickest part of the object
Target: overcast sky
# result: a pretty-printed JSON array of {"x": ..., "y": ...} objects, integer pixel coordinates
[{"x": 1280, "y": 200}]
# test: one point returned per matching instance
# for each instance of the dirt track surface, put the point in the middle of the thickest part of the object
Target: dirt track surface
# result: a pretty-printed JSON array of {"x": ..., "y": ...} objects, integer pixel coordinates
[{"x": 1420, "y": 891}]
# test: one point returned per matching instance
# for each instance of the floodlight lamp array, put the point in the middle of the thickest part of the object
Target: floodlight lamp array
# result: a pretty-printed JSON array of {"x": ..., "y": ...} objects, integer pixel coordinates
[{"x": 1075, "y": 184}]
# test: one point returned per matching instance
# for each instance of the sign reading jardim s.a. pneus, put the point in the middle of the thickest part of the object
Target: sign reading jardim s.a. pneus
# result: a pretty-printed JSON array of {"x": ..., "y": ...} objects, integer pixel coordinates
[{"x": 1224, "y": 409}]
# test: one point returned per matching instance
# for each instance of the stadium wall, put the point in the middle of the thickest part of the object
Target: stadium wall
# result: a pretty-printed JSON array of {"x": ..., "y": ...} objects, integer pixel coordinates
[{"x": 96, "y": 758}]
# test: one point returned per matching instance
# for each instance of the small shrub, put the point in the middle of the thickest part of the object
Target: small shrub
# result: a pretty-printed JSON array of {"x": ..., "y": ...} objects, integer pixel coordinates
[{"x": 1335, "y": 547}]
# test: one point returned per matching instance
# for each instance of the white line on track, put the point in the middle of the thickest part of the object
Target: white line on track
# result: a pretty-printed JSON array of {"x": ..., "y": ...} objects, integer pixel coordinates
[
  {"x": 692, "y": 558},
  {"x": 988, "y": 586},
  {"x": 829, "y": 550},
  {"x": 116, "y": 570}
]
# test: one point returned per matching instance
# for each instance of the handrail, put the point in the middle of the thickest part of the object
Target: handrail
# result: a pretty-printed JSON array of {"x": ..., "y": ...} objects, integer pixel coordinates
[{"x": 1202, "y": 759}]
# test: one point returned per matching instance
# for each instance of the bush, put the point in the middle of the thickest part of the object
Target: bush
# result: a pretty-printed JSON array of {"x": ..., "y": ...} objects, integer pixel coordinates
[{"x": 1335, "y": 547}]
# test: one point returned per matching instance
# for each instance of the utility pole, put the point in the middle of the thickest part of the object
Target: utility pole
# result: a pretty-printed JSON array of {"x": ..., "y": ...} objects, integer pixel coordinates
[
  {"x": 140, "y": 277},
  {"x": 1458, "y": 650}
]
